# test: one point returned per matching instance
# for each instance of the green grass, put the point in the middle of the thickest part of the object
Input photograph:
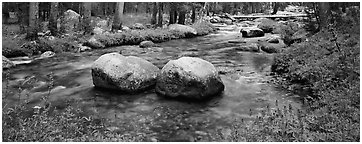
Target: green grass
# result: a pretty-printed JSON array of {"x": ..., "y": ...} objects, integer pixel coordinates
[
  {"x": 22, "y": 47},
  {"x": 134, "y": 37}
]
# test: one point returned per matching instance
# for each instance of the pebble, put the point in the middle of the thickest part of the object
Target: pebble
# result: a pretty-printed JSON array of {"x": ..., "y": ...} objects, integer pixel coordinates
[
  {"x": 153, "y": 139},
  {"x": 201, "y": 133}
]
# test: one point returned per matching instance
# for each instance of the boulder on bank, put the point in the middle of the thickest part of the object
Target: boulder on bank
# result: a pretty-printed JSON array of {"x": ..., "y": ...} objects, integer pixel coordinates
[
  {"x": 189, "y": 78},
  {"x": 147, "y": 44},
  {"x": 183, "y": 29},
  {"x": 138, "y": 26},
  {"x": 251, "y": 32},
  {"x": 273, "y": 40},
  {"x": 253, "y": 47},
  {"x": 70, "y": 21},
  {"x": 128, "y": 74},
  {"x": 7, "y": 63},
  {"x": 267, "y": 25},
  {"x": 47, "y": 54},
  {"x": 269, "y": 48},
  {"x": 94, "y": 43}
]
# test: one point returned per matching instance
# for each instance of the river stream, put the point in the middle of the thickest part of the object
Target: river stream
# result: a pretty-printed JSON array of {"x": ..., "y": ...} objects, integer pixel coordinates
[{"x": 244, "y": 74}]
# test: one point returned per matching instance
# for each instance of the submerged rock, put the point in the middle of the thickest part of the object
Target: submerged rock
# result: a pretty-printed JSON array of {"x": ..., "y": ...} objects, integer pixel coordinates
[
  {"x": 7, "y": 63},
  {"x": 228, "y": 21},
  {"x": 147, "y": 44},
  {"x": 129, "y": 74},
  {"x": 253, "y": 47},
  {"x": 82, "y": 48},
  {"x": 216, "y": 19},
  {"x": 252, "y": 32},
  {"x": 190, "y": 78},
  {"x": 273, "y": 40},
  {"x": 47, "y": 54}
]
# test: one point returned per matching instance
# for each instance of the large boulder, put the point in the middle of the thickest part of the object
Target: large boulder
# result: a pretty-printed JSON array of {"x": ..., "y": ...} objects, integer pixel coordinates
[
  {"x": 127, "y": 74},
  {"x": 267, "y": 25},
  {"x": 7, "y": 63},
  {"x": 94, "y": 43},
  {"x": 70, "y": 21},
  {"x": 251, "y": 32},
  {"x": 182, "y": 29},
  {"x": 189, "y": 78}
]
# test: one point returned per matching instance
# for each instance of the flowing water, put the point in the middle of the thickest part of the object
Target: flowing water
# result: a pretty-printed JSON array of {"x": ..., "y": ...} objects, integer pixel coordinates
[{"x": 244, "y": 74}]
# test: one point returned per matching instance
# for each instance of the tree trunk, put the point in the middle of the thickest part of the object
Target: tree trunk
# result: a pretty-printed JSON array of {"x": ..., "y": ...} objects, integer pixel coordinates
[
  {"x": 117, "y": 21},
  {"x": 23, "y": 16},
  {"x": 203, "y": 10},
  {"x": 207, "y": 9},
  {"x": 154, "y": 14},
  {"x": 87, "y": 17},
  {"x": 193, "y": 14},
  {"x": 252, "y": 7},
  {"x": 173, "y": 13},
  {"x": 275, "y": 8},
  {"x": 181, "y": 17},
  {"x": 53, "y": 18},
  {"x": 324, "y": 15},
  {"x": 160, "y": 13},
  {"x": 33, "y": 21}
]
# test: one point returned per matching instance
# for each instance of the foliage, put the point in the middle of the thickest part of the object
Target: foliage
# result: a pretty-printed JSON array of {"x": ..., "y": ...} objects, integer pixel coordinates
[{"x": 325, "y": 70}]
